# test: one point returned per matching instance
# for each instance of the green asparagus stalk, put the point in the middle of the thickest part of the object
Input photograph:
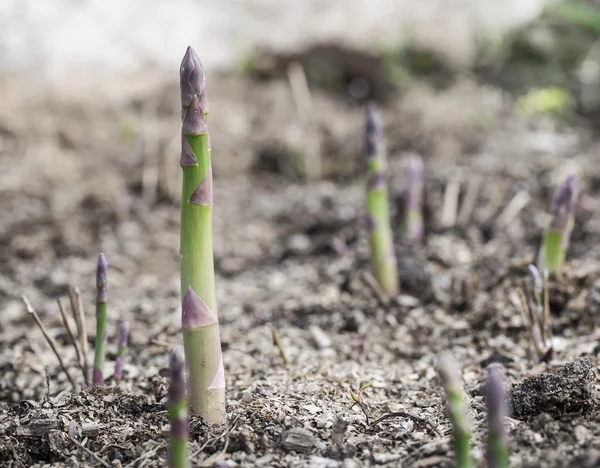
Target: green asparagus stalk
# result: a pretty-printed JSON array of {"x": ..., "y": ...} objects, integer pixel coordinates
[
  {"x": 457, "y": 410},
  {"x": 556, "y": 238},
  {"x": 383, "y": 256},
  {"x": 202, "y": 342},
  {"x": 101, "y": 337},
  {"x": 413, "y": 199},
  {"x": 497, "y": 450},
  {"x": 178, "y": 452},
  {"x": 123, "y": 335}
]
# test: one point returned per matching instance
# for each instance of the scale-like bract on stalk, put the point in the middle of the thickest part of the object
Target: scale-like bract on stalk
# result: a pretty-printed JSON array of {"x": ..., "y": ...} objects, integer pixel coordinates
[
  {"x": 101, "y": 338},
  {"x": 120, "y": 361},
  {"x": 383, "y": 256},
  {"x": 178, "y": 453},
  {"x": 497, "y": 450},
  {"x": 413, "y": 199},
  {"x": 457, "y": 409},
  {"x": 202, "y": 342},
  {"x": 556, "y": 238}
]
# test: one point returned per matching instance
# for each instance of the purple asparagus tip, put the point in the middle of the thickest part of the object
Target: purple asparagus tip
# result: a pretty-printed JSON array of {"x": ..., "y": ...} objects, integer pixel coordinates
[
  {"x": 102, "y": 278},
  {"x": 176, "y": 373},
  {"x": 192, "y": 81},
  {"x": 373, "y": 132},
  {"x": 538, "y": 284},
  {"x": 563, "y": 204},
  {"x": 194, "y": 122}
]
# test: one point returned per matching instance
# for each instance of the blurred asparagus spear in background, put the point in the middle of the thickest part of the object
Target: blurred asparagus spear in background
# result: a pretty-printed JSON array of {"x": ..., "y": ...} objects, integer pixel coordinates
[
  {"x": 178, "y": 454},
  {"x": 457, "y": 410},
  {"x": 123, "y": 335},
  {"x": 497, "y": 450},
  {"x": 101, "y": 338},
  {"x": 556, "y": 238},
  {"x": 383, "y": 257},
  {"x": 205, "y": 377},
  {"x": 413, "y": 198}
]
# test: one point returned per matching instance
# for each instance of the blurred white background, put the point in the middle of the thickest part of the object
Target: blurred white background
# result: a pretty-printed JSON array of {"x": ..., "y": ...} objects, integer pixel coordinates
[{"x": 61, "y": 37}]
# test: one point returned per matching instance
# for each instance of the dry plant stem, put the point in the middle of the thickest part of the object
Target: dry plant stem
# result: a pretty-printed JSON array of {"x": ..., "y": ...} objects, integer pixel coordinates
[
  {"x": 63, "y": 315},
  {"x": 546, "y": 325},
  {"x": 101, "y": 335},
  {"x": 557, "y": 237},
  {"x": 450, "y": 204},
  {"x": 531, "y": 322},
  {"x": 497, "y": 451},
  {"x": 202, "y": 342},
  {"x": 120, "y": 360},
  {"x": 79, "y": 312},
  {"x": 178, "y": 451},
  {"x": 277, "y": 343},
  {"x": 413, "y": 199},
  {"x": 383, "y": 256},
  {"x": 470, "y": 201},
  {"x": 457, "y": 410},
  {"x": 48, "y": 338}
]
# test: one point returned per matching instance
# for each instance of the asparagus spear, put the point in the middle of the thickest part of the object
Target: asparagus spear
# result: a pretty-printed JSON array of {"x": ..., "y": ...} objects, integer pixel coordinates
[
  {"x": 101, "y": 338},
  {"x": 497, "y": 451},
  {"x": 556, "y": 239},
  {"x": 178, "y": 453},
  {"x": 457, "y": 410},
  {"x": 413, "y": 199},
  {"x": 202, "y": 342},
  {"x": 123, "y": 335},
  {"x": 383, "y": 256}
]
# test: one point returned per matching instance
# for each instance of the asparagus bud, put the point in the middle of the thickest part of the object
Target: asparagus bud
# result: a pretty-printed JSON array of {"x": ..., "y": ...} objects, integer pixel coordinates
[
  {"x": 457, "y": 411},
  {"x": 123, "y": 336},
  {"x": 178, "y": 455},
  {"x": 383, "y": 256},
  {"x": 205, "y": 378},
  {"x": 497, "y": 451},
  {"x": 101, "y": 338},
  {"x": 556, "y": 238},
  {"x": 413, "y": 198}
]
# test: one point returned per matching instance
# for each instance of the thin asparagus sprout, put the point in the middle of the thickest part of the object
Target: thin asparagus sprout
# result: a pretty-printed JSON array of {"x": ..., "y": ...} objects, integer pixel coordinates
[
  {"x": 413, "y": 199},
  {"x": 557, "y": 237},
  {"x": 178, "y": 452},
  {"x": 538, "y": 285},
  {"x": 457, "y": 410},
  {"x": 123, "y": 336},
  {"x": 497, "y": 450},
  {"x": 101, "y": 338},
  {"x": 383, "y": 256},
  {"x": 202, "y": 342}
]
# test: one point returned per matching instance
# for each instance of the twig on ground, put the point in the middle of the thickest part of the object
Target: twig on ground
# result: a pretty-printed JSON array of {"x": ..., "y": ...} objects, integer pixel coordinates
[
  {"x": 369, "y": 280},
  {"x": 450, "y": 205},
  {"x": 83, "y": 332},
  {"x": 74, "y": 340},
  {"x": 88, "y": 451},
  {"x": 49, "y": 339},
  {"x": 277, "y": 343}
]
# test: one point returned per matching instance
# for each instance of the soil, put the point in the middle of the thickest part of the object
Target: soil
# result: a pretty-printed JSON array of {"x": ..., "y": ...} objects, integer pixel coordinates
[{"x": 86, "y": 173}]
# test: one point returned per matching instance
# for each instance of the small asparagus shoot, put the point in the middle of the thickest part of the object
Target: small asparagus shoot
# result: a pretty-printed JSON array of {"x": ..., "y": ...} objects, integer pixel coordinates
[
  {"x": 123, "y": 336},
  {"x": 383, "y": 256},
  {"x": 202, "y": 342},
  {"x": 497, "y": 451},
  {"x": 457, "y": 410},
  {"x": 556, "y": 238},
  {"x": 178, "y": 452},
  {"x": 101, "y": 338},
  {"x": 413, "y": 199}
]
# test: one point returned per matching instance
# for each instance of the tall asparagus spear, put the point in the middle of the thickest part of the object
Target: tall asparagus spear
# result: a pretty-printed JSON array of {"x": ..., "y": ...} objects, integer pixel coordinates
[
  {"x": 178, "y": 453},
  {"x": 123, "y": 335},
  {"x": 413, "y": 199},
  {"x": 101, "y": 338},
  {"x": 383, "y": 256},
  {"x": 556, "y": 239},
  {"x": 457, "y": 410},
  {"x": 202, "y": 342},
  {"x": 497, "y": 451}
]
